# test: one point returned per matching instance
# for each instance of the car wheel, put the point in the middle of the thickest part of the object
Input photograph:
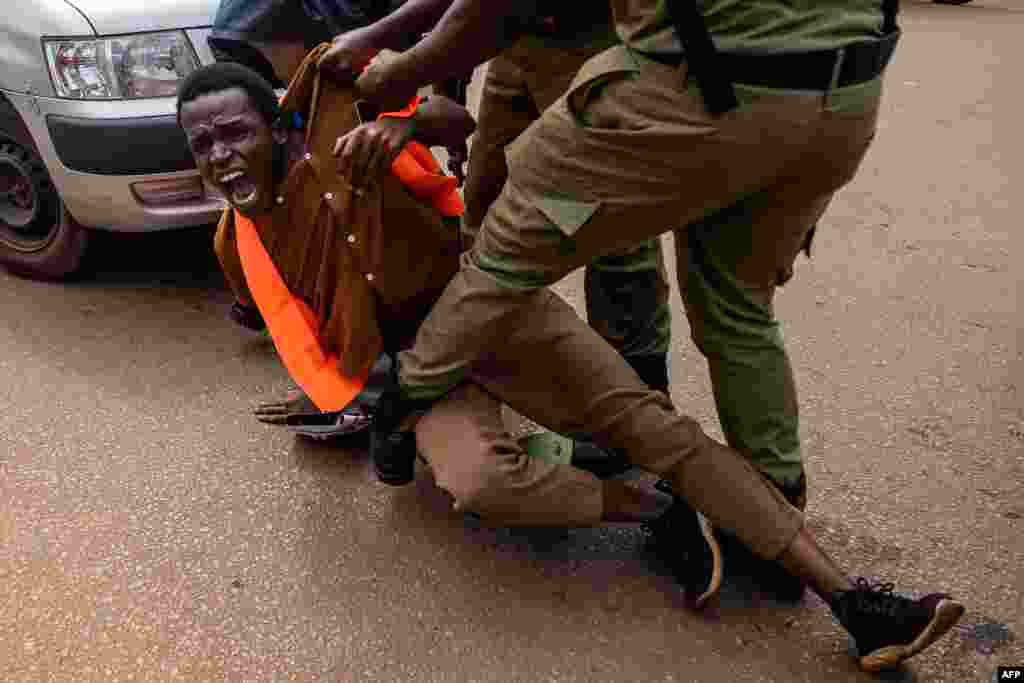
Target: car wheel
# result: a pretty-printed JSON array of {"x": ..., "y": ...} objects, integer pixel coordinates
[{"x": 38, "y": 236}]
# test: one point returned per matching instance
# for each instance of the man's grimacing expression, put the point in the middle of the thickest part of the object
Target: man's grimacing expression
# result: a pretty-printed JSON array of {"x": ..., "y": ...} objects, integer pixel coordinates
[{"x": 233, "y": 146}]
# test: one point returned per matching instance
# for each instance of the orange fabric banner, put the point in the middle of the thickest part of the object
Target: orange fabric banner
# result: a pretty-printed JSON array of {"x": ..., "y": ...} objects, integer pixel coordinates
[{"x": 293, "y": 326}]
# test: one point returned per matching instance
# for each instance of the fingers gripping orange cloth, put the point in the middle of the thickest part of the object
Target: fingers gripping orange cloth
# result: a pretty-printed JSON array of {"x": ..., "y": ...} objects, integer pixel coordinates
[{"x": 420, "y": 172}]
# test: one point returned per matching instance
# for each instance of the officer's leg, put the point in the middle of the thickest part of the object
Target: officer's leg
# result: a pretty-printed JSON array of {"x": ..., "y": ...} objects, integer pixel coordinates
[
  {"x": 729, "y": 266},
  {"x": 627, "y": 303},
  {"x": 488, "y": 473},
  {"x": 598, "y": 393},
  {"x": 559, "y": 372},
  {"x": 514, "y": 93},
  {"x": 506, "y": 110},
  {"x": 598, "y": 174}
]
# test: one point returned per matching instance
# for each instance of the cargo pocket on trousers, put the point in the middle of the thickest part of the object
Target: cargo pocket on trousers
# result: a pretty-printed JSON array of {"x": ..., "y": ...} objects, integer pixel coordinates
[
  {"x": 569, "y": 215},
  {"x": 612, "y": 68},
  {"x": 582, "y": 102}
]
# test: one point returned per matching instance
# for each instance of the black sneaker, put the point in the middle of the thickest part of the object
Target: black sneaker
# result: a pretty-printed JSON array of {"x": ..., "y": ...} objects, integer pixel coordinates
[
  {"x": 686, "y": 543},
  {"x": 394, "y": 451},
  {"x": 889, "y": 628}
]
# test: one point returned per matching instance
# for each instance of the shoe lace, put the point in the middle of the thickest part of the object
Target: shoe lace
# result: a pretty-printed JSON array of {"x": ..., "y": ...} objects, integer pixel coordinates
[{"x": 877, "y": 598}]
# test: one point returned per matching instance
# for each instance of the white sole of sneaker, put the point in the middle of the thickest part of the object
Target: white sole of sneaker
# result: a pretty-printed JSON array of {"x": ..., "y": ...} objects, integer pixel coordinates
[
  {"x": 715, "y": 583},
  {"x": 947, "y": 613}
]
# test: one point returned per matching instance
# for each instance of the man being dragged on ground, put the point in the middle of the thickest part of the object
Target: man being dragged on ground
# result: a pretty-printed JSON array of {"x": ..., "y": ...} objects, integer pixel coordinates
[{"x": 344, "y": 234}]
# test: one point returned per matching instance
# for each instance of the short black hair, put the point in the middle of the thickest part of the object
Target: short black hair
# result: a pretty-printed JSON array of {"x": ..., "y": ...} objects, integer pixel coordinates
[{"x": 222, "y": 76}]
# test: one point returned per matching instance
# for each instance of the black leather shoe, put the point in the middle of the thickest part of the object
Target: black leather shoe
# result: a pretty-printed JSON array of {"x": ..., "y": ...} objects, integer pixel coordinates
[
  {"x": 683, "y": 540},
  {"x": 393, "y": 451}
]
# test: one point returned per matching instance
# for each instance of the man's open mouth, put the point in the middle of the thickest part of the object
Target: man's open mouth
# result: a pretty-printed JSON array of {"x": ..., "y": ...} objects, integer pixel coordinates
[{"x": 239, "y": 187}]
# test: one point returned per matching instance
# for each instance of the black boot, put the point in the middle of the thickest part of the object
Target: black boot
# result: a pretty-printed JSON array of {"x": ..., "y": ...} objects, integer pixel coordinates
[
  {"x": 685, "y": 542},
  {"x": 889, "y": 628},
  {"x": 394, "y": 452}
]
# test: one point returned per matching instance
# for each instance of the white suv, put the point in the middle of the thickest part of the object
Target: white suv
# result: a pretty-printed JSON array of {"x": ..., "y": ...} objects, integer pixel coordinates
[{"x": 88, "y": 133}]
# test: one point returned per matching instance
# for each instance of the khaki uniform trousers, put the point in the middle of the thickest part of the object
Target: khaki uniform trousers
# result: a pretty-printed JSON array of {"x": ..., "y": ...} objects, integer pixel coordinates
[
  {"x": 630, "y": 144},
  {"x": 553, "y": 368},
  {"x": 626, "y": 293}
]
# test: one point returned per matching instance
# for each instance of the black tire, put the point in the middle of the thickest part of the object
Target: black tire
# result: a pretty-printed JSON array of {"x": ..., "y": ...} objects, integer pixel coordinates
[{"x": 38, "y": 236}]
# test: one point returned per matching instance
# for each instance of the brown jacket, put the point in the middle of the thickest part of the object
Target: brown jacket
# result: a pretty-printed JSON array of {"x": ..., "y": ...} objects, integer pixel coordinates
[{"x": 372, "y": 263}]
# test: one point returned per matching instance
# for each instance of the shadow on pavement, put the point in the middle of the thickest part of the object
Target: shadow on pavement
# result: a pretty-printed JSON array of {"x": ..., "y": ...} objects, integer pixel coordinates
[{"x": 180, "y": 258}]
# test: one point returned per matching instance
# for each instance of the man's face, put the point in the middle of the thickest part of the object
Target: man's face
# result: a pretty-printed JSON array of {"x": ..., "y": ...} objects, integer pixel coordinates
[{"x": 233, "y": 147}]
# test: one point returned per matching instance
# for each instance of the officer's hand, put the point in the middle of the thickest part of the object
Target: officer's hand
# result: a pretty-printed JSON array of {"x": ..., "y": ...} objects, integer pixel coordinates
[
  {"x": 367, "y": 151},
  {"x": 377, "y": 85},
  {"x": 348, "y": 55}
]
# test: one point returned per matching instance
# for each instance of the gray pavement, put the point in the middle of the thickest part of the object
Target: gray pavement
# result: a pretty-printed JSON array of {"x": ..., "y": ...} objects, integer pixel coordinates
[{"x": 152, "y": 530}]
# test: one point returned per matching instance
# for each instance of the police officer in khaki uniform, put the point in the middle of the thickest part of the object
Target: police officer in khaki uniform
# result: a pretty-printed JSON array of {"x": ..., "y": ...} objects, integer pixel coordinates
[
  {"x": 728, "y": 299},
  {"x": 737, "y": 118},
  {"x": 626, "y": 293}
]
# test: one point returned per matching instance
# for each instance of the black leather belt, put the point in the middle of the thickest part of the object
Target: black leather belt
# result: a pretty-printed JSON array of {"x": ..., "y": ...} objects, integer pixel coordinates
[{"x": 857, "y": 63}]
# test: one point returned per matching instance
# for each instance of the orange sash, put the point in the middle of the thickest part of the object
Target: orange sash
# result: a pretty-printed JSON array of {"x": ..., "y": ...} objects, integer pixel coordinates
[
  {"x": 293, "y": 326},
  {"x": 419, "y": 171}
]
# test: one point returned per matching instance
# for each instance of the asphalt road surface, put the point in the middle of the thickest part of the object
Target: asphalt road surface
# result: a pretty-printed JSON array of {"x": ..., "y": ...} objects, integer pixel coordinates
[{"x": 152, "y": 530}]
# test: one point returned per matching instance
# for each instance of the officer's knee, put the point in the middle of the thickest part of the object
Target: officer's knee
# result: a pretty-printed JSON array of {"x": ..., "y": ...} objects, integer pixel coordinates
[
  {"x": 722, "y": 323},
  {"x": 479, "y": 479}
]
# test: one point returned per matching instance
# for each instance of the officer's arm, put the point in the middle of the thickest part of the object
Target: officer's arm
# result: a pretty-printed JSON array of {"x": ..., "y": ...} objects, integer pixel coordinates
[
  {"x": 400, "y": 28},
  {"x": 440, "y": 122},
  {"x": 469, "y": 33}
]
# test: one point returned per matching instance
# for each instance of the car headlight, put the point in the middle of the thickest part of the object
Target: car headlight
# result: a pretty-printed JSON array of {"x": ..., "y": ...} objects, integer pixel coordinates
[{"x": 120, "y": 67}]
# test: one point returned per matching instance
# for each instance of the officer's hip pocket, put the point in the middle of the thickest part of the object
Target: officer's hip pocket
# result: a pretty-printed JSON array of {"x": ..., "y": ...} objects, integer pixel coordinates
[{"x": 589, "y": 100}]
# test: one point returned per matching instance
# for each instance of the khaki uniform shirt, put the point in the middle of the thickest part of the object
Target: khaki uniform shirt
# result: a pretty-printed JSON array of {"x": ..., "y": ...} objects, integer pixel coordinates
[
  {"x": 753, "y": 26},
  {"x": 370, "y": 264}
]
